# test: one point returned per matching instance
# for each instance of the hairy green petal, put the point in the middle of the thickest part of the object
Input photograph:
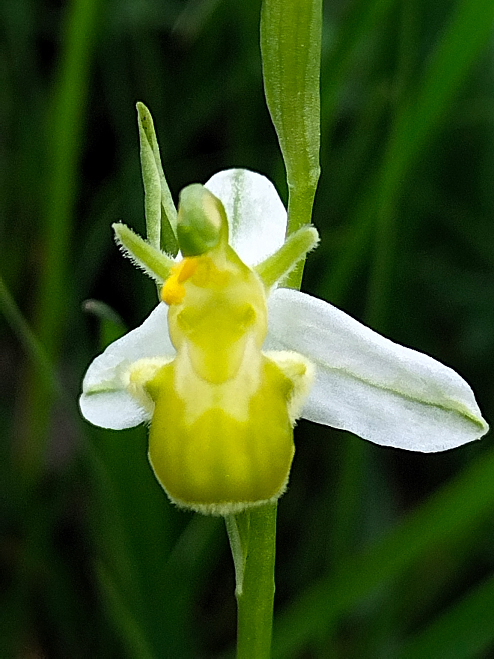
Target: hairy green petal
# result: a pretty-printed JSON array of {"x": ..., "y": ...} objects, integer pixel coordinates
[
  {"x": 295, "y": 248},
  {"x": 154, "y": 263}
]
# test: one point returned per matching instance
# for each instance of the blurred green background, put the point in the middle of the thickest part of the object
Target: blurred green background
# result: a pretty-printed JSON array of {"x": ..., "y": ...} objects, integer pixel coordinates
[{"x": 381, "y": 553}]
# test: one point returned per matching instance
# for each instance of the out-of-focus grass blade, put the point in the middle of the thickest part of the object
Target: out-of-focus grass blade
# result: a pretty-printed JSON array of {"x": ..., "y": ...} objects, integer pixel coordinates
[
  {"x": 122, "y": 535},
  {"x": 193, "y": 17},
  {"x": 468, "y": 32},
  {"x": 64, "y": 135},
  {"x": 131, "y": 633},
  {"x": 364, "y": 17},
  {"x": 185, "y": 572},
  {"x": 465, "y": 631},
  {"x": 453, "y": 512},
  {"x": 26, "y": 336},
  {"x": 112, "y": 326}
]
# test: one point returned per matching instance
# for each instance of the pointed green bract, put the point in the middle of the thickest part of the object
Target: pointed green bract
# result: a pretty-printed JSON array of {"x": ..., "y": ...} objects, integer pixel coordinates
[
  {"x": 238, "y": 527},
  {"x": 147, "y": 257},
  {"x": 161, "y": 215},
  {"x": 151, "y": 181}
]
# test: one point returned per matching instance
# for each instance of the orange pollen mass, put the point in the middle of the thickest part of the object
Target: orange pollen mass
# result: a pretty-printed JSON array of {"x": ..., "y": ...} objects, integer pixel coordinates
[{"x": 173, "y": 291}]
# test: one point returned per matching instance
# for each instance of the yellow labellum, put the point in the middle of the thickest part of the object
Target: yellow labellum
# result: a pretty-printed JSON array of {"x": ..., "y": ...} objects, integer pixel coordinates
[
  {"x": 219, "y": 461},
  {"x": 221, "y": 436}
]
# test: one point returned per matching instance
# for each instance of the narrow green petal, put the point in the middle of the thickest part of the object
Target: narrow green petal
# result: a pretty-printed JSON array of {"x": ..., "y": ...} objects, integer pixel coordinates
[
  {"x": 154, "y": 263},
  {"x": 295, "y": 248}
]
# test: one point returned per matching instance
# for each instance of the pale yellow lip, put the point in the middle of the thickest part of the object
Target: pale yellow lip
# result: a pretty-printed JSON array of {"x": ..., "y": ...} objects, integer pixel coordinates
[{"x": 221, "y": 436}]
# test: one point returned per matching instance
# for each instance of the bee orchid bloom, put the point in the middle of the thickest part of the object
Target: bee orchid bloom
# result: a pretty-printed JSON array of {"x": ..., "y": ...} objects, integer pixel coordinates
[{"x": 229, "y": 359}]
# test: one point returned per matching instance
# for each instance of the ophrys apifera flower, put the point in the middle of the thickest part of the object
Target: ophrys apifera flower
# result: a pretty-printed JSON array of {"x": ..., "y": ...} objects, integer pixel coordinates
[{"x": 229, "y": 359}]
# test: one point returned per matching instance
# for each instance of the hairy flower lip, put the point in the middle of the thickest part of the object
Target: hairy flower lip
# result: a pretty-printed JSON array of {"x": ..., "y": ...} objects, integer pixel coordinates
[{"x": 365, "y": 383}]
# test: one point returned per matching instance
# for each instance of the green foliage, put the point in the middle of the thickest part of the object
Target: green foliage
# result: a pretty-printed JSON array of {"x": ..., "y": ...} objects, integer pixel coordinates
[
  {"x": 380, "y": 552},
  {"x": 291, "y": 55},
  {"x": 160, "y": 211}
]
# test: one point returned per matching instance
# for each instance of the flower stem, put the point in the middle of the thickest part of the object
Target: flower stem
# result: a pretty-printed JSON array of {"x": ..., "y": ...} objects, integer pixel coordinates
[
  {"x": 291, "y": 52},
  {"x": 253, "y": 536}
]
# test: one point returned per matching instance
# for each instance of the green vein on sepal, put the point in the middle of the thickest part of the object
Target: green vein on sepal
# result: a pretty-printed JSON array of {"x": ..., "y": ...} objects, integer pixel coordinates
[
  {"x": 454, "y": 406},
  {"x": 104, "y": 388}
]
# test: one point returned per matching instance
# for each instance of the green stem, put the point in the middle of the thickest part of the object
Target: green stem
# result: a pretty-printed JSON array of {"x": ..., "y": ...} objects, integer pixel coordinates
[
  {"x": 253, "y": 536},
  {"x": 291, "y": 53}
]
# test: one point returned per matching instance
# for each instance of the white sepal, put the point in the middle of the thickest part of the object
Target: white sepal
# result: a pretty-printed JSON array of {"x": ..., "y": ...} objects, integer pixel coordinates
[
  {"x": 255, "y": 212},
  {"x": 105, "y": 399},
  {"x": 115, "y": 410},
  {"x": 365, "y": 383}
]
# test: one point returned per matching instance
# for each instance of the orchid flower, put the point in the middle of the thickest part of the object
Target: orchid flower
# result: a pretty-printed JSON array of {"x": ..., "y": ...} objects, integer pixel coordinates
[{"x": 229, "y": 359}]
